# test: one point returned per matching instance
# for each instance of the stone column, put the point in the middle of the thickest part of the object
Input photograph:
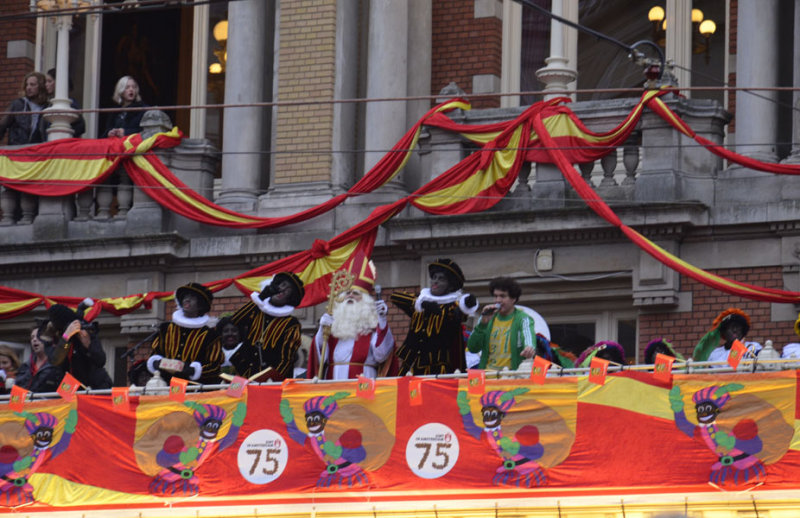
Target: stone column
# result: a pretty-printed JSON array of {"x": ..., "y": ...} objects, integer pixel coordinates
[
  {"x": 679, "y": 40},
  {"x": 794, "y": 157},
  {"x": 757, "y": 66},
  {"x": 571, "y": 10},
  {"x": 244, "y": 83},
  {"x": 420, "y": 23},
  {"x": 60, "y": 114},
  {"x": 54, "y": 213},
  {"x": 387, "y": 72},
  {"x": 557, "y": 73}
]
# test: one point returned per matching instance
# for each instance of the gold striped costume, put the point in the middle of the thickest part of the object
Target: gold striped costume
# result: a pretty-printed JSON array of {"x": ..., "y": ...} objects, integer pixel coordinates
[
  {"x": 189, "y": 345},
  {"x": 435, "y": 341},
  {"x": 271, "y": 341}
]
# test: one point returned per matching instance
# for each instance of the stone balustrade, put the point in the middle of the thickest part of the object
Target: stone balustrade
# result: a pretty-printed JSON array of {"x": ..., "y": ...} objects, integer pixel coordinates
[{"x": 656, "y": 164}]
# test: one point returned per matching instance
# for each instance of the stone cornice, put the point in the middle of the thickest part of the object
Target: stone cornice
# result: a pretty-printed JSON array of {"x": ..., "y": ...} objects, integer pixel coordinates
[
  {"x": 542, "y": 228},
  {"x": 101, "y": 254}
]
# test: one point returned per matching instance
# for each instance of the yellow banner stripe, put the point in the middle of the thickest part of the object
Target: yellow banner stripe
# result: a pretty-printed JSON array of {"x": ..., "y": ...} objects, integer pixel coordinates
[
  {"x": 54, "y": 169},
  {"x": 452, "y": 105},
  {"x": 561, "y": 125},
  {"x": 9, "y": 307},
  {"x": 147, "y": 144},
  {"x": 481, "y": 180},
  {"x": 328, "y": 264},
  {"x": 209, "y": 210},
  {"x": 676, "y": 122},
  {"x": 626, "y": 394},
  {"x": 128, "y": 302},
  {"x": 700, "y": 272}
]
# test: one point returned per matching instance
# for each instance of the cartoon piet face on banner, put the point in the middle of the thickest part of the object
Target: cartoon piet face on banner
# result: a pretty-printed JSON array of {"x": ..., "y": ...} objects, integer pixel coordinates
[
  {"x": 173, "y": 440},
  {"x": 530, "y": 430},
  {"x": 28, "y": 439},
  {"x": 745, "y": 426},
  {"x": 351, "y": 436}
]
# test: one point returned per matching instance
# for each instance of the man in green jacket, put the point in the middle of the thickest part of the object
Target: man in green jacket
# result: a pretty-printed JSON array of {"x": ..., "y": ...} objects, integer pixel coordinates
[{"x": 504, "y": 335}]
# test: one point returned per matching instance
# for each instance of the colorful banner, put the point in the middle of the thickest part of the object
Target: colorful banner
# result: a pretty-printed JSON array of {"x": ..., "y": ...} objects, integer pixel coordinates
[{"x": 320, "y": 442}]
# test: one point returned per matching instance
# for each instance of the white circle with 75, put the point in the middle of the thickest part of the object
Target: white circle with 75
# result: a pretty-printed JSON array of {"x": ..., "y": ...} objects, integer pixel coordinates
[
  {"x": 263, "y": 456},
  {"x": 432, "y": 450}
]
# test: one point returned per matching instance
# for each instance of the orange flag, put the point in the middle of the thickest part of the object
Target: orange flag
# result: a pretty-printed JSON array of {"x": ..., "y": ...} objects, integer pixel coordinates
[
  {"x": 236, "y": 388},
  {"x": 663, "y": 367},
  {"x": 415, "y": 392},
  {"x": 16, "y": 401},
  {"x": 539, "y": 370},
  {"x": 120, "y": 399},
  {"x": 738, "y": 349},
  {"x": 68, "y": 386},
  {"x": 365, "y": 388},
  {"x": 597, "y": 370},
  {"x": 177, "y": 389},
  {"x": 476, "y": 381}
]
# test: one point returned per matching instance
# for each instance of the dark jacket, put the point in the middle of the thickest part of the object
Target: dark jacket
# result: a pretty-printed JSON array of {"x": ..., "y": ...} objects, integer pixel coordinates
[
  {"x": 46, "y": 378},
  {"x": 19, "y": 125},
  {"x": 130, "y": 121},
  {"x": 86, "y": 364}
]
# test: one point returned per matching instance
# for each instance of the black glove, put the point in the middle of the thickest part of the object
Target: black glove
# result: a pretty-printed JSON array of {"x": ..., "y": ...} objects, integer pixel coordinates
[
  {"x": 187, "y": 371},
  {"x": 267, "y": 292},
  {"x": 430, "y": 306},
  {"x": 470, "y": 301}
]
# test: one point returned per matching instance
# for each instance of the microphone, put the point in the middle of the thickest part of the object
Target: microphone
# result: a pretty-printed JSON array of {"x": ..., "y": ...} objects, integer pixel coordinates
[
  {"x": 378, "y": 291},
  {"x": 490, "y": 309}
]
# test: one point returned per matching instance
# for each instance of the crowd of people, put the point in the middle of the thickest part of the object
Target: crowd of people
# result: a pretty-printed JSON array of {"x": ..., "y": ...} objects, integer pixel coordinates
[
  {"x": 24, "y": 121},
  {"x": 262, "y": 340}
]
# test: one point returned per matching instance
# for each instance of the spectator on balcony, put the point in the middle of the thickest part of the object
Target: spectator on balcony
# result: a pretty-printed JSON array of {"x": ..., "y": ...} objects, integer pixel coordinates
[
  {"x": 9, "y": 365},
  {"x": 505, "y": 334},
  {"x": 273, "y": 334},
  {"x": 231, "y": 338},
  {"x": 729, "y": 326},
  {"x": 189, "y": 339},
  {"x": 660, "y": 346},
  {"x": 78, "y": 349},
  {"x": 128, "y": 122},
  {"x": 79, "y": 124},
  {"x": 435, "y": 341},
  {"x": 24, "y": 122},
  {"x": 606, "y": 350},
  {"x": 38, "y": 374}
]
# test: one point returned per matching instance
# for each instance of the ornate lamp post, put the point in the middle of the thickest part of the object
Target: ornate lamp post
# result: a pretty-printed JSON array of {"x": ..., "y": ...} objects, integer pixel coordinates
[{"x": 60, "y": 114}]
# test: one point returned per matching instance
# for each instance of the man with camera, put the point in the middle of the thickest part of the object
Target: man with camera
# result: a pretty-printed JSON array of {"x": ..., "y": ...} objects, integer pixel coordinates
[{"x": 77, "y": 348}]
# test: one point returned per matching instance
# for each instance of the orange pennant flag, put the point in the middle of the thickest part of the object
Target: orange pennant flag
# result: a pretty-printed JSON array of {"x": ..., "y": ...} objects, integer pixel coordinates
[
  {"x": 476, "y": 381},
  {"x": 365, "y": 388},
  {"x": 415, "y": 392},
  {"x": 177, "y": 389},
  {"x": 663, "y": 367},
  {"x": 68, "y": 386},
  {"x": 539, "y": 370},
  {"x": 120, "y": 399},
  {"x": 16, "y": 401},
  {"x": 597, "y": 371},
  {"x": 237, "y": 386},
  {"x": 738, "y": 350}
]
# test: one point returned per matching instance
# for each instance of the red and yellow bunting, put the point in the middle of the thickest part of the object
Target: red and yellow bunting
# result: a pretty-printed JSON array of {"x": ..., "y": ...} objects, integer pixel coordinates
[{"x": 545, "y": 132}]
